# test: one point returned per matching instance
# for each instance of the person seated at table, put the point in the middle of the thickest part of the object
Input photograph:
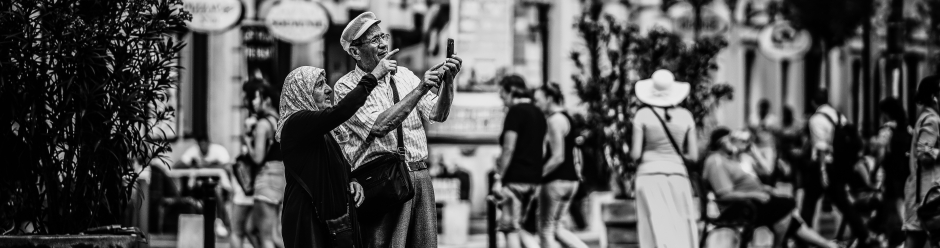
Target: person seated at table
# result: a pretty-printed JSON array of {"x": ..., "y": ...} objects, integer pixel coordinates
[
  {"x": 735, "y": 188},
  {"x": 204, "y": 155},
  {"x": 208, "y": 155}
]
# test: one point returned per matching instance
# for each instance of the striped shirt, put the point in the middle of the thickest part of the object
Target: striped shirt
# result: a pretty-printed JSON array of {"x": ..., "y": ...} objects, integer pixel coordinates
[{"x": 353, "y": 132}]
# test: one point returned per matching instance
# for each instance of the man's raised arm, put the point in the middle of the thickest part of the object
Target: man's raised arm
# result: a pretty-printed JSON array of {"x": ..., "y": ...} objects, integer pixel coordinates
[
  {"x": 391, "y": 118},
  {"x": 448, "y": 91}
]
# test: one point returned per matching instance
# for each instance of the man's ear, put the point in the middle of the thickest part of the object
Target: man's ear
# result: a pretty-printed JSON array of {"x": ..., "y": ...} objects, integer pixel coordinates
[{"x": 354, "y": 51}]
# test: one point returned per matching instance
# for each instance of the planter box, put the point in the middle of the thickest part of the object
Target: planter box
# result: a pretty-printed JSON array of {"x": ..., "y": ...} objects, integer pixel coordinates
[{"x": 70, "y": 241}]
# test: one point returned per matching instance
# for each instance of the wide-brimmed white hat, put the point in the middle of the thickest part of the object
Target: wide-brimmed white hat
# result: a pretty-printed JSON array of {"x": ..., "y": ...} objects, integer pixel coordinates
[{"x": 661, "y": 89}]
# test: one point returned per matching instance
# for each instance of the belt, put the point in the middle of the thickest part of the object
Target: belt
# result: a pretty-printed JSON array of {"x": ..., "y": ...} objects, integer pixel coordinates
[{"x": 416, "y": 166}]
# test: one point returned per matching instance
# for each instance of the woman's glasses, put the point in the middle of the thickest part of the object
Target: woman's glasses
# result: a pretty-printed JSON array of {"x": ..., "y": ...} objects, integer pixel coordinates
[{"x": 375, "y": 39}]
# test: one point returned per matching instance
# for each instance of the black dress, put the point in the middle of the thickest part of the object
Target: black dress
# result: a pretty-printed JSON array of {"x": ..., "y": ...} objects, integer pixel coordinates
[{"x": 311, "y": 154}]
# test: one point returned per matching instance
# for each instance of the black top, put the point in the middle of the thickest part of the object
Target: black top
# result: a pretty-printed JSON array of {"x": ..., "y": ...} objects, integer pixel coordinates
[
  {"x": 896, "y": 162},
  {"x": 274, "y": 147},
  {"x": 529, "y": 124},
  {"x": 311, "y": 154},
  {"x": 566, "y": 170}
]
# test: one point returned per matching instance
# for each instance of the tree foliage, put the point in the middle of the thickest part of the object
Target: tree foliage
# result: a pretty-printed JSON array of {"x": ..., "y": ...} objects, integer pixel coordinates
[
  {"x": 80, "y": 82},
  {"x": 616, "y": 56}
]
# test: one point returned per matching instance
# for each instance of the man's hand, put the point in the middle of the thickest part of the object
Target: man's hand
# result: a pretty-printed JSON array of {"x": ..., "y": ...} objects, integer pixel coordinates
[
  {"x": 386, "y": 65},
  {"x": 432, "y": 77},
  {"x": 358, "y": 193},
  {"x": 452, "y": 67}
]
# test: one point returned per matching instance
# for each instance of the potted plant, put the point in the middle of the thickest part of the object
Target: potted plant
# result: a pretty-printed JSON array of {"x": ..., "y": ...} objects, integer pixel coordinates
[
  {"x": 607, "y": 92},
  {"x": 83, "y": 87}
]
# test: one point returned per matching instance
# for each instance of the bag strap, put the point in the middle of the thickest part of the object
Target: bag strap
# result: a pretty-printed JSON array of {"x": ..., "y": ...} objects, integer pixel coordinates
[
  {"x": 309, "y": 192},
  {"x": 920, "y": 170},
  {"x": 398, "y": 131},
  {"x": 669, "y": 134}
]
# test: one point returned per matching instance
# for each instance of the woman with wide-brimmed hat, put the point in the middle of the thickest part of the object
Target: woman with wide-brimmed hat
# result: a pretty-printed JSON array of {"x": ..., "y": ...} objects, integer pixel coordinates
[{"x": 663, "y": 138}]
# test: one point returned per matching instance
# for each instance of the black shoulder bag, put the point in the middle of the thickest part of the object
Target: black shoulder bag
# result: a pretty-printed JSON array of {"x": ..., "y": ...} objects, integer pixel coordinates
[
  {"x": 385, "y": 179},
  {"x": 343, "y": 233},
  {"x": 691, "y": 166}
]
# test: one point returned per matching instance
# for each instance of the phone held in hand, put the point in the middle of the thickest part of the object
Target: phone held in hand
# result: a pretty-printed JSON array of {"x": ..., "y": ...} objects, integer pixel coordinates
[{"x": 450, "y": 48}]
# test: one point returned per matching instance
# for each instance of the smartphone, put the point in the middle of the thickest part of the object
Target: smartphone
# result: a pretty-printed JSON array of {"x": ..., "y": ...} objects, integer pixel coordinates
[{"x": 450, "y": 48}]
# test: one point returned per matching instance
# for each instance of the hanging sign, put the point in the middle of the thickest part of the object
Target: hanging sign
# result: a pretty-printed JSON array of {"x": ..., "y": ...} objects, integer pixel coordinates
[
  {"x": 781, "y": 40},
  {"x": 714, "y": 19},
  {"x": 213, "y": 15},
  {"x": 258, "y": 43},
  {"x": 357, "y": 4},
  {"x": 297, "y": 21}
]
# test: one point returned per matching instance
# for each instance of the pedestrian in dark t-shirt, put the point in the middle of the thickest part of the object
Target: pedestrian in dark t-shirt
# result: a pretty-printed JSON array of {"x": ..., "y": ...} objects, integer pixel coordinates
[{"x": 519, "y": 166}]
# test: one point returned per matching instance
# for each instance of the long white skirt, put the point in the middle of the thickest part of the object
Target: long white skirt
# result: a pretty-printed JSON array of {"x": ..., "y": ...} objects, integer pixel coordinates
[{"x": 666, "y": 212}]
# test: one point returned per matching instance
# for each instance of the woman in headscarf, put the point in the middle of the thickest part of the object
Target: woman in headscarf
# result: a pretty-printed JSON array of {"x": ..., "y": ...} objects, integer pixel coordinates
[{"x": 320, "y": 199}]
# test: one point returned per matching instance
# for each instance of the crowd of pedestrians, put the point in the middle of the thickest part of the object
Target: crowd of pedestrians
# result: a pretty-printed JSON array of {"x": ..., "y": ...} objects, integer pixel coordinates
[
  {"x": 883, "y": 185},
  {"x": 302, "y": 159}
]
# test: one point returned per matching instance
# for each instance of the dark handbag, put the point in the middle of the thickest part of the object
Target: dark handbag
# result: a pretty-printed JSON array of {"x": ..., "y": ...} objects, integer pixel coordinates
[
  {"x": 691, "y": 166},
  {"x": 245, "y": 171},
  {"x": 385, "y": 179},
  {"x": 343, "y": 233}
]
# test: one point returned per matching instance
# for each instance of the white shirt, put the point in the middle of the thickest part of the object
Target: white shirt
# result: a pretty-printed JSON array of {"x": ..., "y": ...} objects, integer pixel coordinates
[
  {"x": 217, "y": 155},
  {"x": 821, "y": 128},
  {"x": 354, "y": 132}
]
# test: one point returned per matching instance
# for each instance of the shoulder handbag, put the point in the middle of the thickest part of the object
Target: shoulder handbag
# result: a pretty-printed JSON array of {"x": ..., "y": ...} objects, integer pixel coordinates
[
  {"x": 343, "y": 233},
  {"x": 691, "y": 166},
  {"x": 385, "y": 179}
]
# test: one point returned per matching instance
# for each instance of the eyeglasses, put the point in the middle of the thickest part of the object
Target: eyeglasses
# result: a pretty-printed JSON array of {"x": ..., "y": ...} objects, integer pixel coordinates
[{"x": 374, "y": 40}]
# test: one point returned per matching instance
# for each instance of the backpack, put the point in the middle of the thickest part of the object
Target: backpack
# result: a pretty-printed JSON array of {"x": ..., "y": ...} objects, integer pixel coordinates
[{"x": 846, "y": 144}]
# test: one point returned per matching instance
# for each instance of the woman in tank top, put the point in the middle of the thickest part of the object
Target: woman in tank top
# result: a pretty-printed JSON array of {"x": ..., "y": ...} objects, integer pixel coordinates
[{"x": 561, "y": 173}]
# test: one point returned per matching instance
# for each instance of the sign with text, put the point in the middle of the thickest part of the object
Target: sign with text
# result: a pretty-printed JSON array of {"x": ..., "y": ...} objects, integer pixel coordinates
[
  {"x": 715, "y": 20},
  {"x": 213, "y": 15},
  {"x": 473, "y": 117},
  {"x": 297, "y": 21}
]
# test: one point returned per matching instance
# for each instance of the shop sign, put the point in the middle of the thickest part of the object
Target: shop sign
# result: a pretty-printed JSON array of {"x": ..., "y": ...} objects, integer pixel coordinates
[
  {"x": 213, "y": 15},
  {"x": 780, "y": 41},
  {"x": 297, "y": 21},
  {"x": 258, "y": 43},
  {"x": 713, "y": 21},
  {"x": 473, "y": 116},
  {"x": 357, "y": 4}
]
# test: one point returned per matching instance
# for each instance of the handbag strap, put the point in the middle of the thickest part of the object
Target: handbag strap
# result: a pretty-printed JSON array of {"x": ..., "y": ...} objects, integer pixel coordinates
[
  {"x": 920, "y": 170},
  {"x": 309, "y": 192},
  {"x": 398, "y": 131},
  {"x": 669, "y": 134}
]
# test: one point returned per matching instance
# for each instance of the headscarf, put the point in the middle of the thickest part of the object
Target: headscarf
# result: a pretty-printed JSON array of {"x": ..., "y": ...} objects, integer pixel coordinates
[{"x": 297, "y": 93}]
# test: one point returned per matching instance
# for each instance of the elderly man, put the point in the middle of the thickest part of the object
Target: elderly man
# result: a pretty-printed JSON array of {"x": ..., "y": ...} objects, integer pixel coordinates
[{"x": 370, "y": 131}]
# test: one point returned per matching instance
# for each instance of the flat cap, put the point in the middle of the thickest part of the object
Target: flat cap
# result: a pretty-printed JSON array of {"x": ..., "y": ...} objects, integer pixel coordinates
[{"x": 356, "y": 28}]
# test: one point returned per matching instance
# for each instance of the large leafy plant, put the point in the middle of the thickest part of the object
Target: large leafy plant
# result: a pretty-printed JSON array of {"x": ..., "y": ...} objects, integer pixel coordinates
[
  {"x": 616, "y": 55},
  {"x": 81, "y": 83}
]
